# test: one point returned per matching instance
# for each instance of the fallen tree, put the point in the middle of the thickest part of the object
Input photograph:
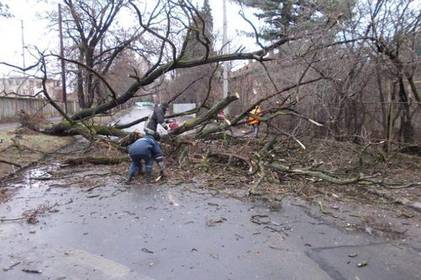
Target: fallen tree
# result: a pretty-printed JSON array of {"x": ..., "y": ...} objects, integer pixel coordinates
[
  {"x": 90, "y": 131},
  {"x": 166, "y": 52},
  {"x": 163, "y": 47}
]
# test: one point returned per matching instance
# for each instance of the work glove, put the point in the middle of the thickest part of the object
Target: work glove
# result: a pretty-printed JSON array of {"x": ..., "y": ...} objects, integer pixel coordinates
[
  {"x": 162, "y": 173},
  {"x": 157, "y": 137}
]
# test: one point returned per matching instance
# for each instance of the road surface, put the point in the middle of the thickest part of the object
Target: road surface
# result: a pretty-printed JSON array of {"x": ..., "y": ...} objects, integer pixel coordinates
[
  {"x": 136, "y": 113},
  {"x": 114, "y": 231}
]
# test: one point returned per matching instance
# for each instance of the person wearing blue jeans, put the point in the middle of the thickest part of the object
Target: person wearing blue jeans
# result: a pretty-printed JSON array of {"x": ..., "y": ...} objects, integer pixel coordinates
[{"x": 145, "y": 151}]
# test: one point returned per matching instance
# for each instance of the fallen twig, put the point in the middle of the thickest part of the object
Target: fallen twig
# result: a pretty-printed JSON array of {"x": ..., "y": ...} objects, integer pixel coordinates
[
  {"x": 94, "y": 187},
  {"x": 31, "y": 216},
  {"x": 10, "y": 163},
  {"x": 96, "y": 160},
  {"x": 260, "y": 219},
  {"x": 11, "y": 267},
  {"x": 11, "y": 219},
  {"x": 396, "y": 186},
  {"x": 31, "y": 271}
]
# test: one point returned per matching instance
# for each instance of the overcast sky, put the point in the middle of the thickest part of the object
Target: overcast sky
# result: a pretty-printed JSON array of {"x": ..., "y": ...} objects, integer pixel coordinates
[{"x": 37, "y": 34}]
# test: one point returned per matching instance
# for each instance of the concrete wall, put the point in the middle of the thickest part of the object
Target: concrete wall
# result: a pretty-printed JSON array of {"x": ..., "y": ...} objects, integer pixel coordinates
[{"x": 11, "y": 106}]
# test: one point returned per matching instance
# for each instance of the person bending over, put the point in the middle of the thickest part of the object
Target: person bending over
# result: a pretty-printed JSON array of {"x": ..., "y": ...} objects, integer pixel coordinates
[{"x": 143, "y": 153}]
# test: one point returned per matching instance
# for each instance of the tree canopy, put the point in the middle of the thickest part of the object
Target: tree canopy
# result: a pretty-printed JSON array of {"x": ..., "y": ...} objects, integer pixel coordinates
[
  {"x": 4, "y": 10},
  {"x": 284, "y": 16}
]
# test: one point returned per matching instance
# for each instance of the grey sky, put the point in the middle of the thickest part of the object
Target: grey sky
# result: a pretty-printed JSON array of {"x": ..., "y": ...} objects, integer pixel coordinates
[{"x": 37, "y": 33}]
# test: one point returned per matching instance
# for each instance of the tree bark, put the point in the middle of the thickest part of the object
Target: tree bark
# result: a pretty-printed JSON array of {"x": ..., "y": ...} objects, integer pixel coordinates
[
  {"x": 407, "y": 130},
  {"x": 80, "y": 92}
]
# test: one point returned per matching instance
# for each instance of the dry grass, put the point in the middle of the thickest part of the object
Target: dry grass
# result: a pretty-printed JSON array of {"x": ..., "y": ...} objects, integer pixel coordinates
[{"x": 24, "y": 147}]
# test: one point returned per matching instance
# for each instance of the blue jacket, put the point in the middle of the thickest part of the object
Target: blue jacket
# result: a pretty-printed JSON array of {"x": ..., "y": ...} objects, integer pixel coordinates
[{"x": 146, "y": 148}]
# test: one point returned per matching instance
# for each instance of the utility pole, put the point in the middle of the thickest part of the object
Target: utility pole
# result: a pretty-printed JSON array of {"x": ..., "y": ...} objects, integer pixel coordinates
[
  {"x": 63, "y": 68},
  {"x": 23, "y": 45},
  {"x": 225, "y": 51}
]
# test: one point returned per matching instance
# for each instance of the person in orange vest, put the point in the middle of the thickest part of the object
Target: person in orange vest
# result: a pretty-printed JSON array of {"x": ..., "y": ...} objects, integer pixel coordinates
[{"x": 254, "y": 120}]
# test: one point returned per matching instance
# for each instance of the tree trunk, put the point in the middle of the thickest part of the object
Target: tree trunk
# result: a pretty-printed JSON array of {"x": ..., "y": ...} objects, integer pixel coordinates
[
  {"x": 80, "y": 92},
  {"x": 89, "y": 82},
  {"x": 407, "y": 130},
  {"x": 382, "y": 100}
]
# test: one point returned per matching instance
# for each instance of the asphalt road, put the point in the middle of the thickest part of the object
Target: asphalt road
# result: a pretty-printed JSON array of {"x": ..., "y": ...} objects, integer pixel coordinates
[
  {"x": 136, "y": 113},
  {"x": 161, "y": 232}
]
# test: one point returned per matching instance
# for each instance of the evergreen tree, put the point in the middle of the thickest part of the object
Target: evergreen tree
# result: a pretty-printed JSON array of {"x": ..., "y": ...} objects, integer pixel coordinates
[
  {"x": 284, "y": 16},
  {"x": 199, "y": 43},
  {"x": 207, "y": 15},
  {"x": 4, "y": 10},
  {"x": 200, "y": 39}
]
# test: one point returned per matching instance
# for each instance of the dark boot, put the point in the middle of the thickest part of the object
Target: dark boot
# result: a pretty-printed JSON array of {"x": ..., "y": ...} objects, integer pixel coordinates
[
  {"x": 148, "y": 178},
  {"x": 129, "y": 180}
]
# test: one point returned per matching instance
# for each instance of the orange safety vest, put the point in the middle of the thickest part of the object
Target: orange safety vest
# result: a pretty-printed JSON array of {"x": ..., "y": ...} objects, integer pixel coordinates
[{"x": 254, "y": 117}]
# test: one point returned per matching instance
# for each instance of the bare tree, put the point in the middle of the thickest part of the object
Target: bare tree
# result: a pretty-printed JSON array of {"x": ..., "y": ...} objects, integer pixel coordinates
[
  {"x": 394, "y": 27},
  {"x": 92, "y": 29},
  {"x": 161, "y": 37}
]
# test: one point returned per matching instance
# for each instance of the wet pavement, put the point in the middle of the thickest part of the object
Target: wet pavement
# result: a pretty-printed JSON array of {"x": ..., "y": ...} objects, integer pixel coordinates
[
  {"x": 136, "y": 113},
  {"x": 149, "y": 231}
]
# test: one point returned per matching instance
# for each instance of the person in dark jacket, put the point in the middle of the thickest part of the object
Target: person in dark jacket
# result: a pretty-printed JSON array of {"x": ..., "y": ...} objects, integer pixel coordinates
[
  {"x": 143, "y": 153},
  {"x": 157, "y": 117}
]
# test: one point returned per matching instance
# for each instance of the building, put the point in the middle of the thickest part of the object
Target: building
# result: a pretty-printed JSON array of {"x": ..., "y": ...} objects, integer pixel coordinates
[{"x": 29, "y": 87}]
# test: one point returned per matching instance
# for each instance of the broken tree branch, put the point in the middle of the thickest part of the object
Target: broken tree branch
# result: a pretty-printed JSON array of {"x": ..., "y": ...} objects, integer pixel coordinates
[
  {"x": 206, "y": 116},
  {"x": 96, "y": 160},
  {"x": 10, "y": 163}
]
